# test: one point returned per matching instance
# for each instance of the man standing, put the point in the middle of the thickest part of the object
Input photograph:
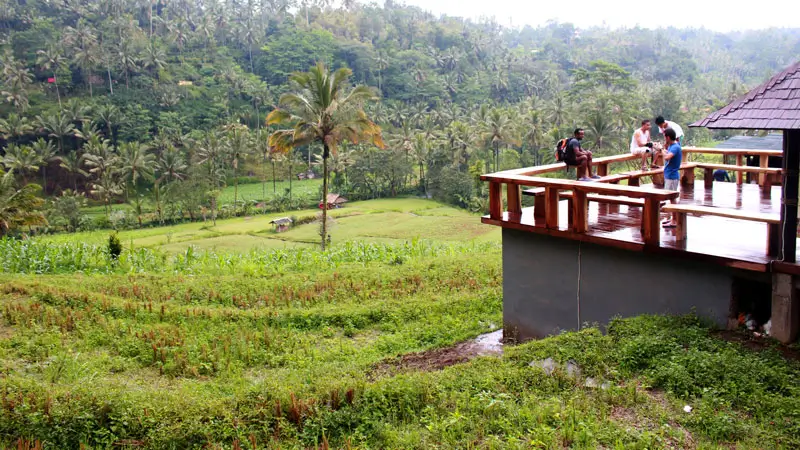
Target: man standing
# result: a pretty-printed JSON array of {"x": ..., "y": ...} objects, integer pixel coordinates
[
  {"x": 672, "y": 169},
  {"x": 641, "y": 145},
  {"x": 576, "y": 156},
  {"x": 663, "y": 125}
]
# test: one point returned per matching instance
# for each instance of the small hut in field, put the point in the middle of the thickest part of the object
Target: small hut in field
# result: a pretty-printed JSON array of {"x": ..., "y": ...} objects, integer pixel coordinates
[
  {"x": 334, "y": 201},
  {"x": 281, "y": 224}
]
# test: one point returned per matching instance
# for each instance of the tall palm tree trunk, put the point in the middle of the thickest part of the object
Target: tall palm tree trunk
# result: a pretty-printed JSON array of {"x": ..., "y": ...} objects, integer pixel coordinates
[
  {"x": 325, "y": 155},
  {"x": 274, "y": 183},
  {"x": 58, "y": 94},
  {"x": 291, "y": 174}
]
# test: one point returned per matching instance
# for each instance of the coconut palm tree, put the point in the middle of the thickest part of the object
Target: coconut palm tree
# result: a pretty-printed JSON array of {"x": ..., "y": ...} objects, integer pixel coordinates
[
  {"x": 499, "y": 131},
  {"x": 57, "y": 126},
  {"x": 73, "y": 163},
  {"x": 18, "y": 206},
  {"x": 52, "y": 59},
  {"x": 170, "y": 166},
  {"x": 135, "y": 163},
  {"x": 14, "y": 127},
  {"x": 323, "y": 109},
  {"x": 237, "y": 145},
  {"x": 108, "y": 115},
  {"x": 21, "y": 160},
  {"x": 46, "y": 153}
]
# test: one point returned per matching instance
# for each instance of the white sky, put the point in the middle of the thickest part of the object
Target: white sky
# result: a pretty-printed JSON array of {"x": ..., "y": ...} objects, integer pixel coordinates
[{"x": 716, "y": 15}]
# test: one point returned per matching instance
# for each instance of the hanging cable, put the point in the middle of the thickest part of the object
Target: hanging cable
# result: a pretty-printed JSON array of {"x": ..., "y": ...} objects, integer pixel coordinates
[{"x": 578, "y": 299}]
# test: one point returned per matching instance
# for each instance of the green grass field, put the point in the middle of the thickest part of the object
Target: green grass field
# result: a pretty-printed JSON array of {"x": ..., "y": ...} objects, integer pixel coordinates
[
  {"x": 385, "y": 220},
  {"x": 256, "y": 340}
]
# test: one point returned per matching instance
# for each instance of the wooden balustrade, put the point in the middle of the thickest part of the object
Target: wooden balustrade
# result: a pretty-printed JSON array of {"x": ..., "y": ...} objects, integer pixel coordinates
[{"x": 580, "y": 210}]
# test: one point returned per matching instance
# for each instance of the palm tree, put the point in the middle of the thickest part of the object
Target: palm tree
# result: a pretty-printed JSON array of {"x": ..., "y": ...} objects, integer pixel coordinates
[
  {"x": 237, "y": 140},
  {"x": 14, "y": 127},
  {"x": 52, "y": 59},
  {"x": 108, "y": 114},
  {"x": 170, "y": 166},
  {"x": 57, "y": 126},
  {"x": 499, "y": 131},
  {"x": 73, "y": 164},
  {"x": 600, "y": 128},
  {"x": 46, "y": 153},
  {"x": 154, "y": 59},
  {"x": 21, "y": 160},
  {"x": 323, "y": 109},
  {"x": 135, "y": 164},
  {"x": 127, "y": 60},
  {"x": 18, "y": 207},
  {"x": 420, "y": 149}
]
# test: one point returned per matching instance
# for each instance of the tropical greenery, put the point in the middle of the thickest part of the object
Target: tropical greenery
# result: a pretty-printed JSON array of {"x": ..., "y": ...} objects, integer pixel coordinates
[{"x": 159, "y": 106}]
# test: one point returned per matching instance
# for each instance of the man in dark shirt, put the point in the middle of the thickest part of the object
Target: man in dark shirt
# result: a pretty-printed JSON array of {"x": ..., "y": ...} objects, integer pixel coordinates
[
  {"x": 721, "y": 175},
  {"x": 576, "y": 156}
]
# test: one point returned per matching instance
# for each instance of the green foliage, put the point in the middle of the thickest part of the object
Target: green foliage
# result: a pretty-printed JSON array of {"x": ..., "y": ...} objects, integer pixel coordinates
[{"x": 114, "y": 247}]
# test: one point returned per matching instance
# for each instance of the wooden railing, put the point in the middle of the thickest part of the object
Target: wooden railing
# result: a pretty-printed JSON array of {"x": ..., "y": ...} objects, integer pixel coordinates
[
  {"x": 582, "y": 192},
  {"x": 651, "y": 227}
]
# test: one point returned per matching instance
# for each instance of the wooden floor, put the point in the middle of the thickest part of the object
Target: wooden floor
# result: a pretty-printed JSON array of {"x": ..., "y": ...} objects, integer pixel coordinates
[{"x": 730, "y": 240}]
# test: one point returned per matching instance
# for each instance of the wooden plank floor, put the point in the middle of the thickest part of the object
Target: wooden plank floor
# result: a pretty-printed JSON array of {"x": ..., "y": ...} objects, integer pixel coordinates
[{"x": 717, "y": 237}]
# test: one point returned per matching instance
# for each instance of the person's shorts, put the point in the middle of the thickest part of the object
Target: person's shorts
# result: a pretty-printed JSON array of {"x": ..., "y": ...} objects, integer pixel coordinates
[
  {"x": 640, "y": 150},
  {"x": 570, "y": 160},
  {"x": 671, "y": 185}
]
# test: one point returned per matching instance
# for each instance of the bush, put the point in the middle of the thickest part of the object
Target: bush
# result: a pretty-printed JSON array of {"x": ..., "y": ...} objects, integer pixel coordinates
[{"x": 114, "y": 247}]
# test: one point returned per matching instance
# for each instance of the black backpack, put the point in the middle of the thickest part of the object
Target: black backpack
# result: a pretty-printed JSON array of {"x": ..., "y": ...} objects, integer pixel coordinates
[{"x": 561, "y": 149}]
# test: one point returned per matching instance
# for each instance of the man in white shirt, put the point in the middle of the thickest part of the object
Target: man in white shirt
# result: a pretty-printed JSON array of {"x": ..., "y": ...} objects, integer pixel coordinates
[
  {"x": 664, "y": 124},
  {"x": 641, "y": 145}
]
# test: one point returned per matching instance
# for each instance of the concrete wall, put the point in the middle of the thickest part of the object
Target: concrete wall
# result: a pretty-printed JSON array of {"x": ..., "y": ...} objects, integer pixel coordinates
[{"x": 541, "y": 285}]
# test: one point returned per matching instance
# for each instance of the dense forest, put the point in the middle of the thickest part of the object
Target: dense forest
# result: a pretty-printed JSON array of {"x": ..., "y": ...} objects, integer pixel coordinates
[{"x": 161, "y": 104}]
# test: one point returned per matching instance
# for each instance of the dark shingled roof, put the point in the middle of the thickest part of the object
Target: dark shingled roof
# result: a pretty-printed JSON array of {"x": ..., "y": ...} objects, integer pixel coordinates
[{"x": 775, "y": 105}]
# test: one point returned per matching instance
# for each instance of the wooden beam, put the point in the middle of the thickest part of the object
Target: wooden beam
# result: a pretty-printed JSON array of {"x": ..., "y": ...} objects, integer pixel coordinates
[
  {"x": 587, "y": 186},
  {"x": 739, "y": 173},
  {"x": 514, "y": 199},
  {"x": 580, "y": 212},
  {"x": 763, "y": 162},
  {"x": 731, "y": 151},
  {"x": 708, "y": 177},
  {"x": 495, "y": 200},
  {"x": 791, "y": 166},
  {"x": 722, "y": 212},
  {"x": 680, "y": 229},
  {"x": 651, "y": 226},
  {"x": 551, "y": 207}
]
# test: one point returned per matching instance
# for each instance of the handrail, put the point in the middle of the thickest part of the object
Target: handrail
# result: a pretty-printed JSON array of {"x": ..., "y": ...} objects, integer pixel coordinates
[{"x": 732, "y": 151}]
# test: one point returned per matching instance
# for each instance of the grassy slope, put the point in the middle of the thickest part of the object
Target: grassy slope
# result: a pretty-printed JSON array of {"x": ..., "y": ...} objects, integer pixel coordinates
[
  {"x": 181, "y": 361},
  {"x": 386, "y": 220}
]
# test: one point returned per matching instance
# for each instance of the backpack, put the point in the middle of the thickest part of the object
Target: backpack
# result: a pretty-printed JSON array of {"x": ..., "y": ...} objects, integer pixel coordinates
[{"x": 561, "y": 149}]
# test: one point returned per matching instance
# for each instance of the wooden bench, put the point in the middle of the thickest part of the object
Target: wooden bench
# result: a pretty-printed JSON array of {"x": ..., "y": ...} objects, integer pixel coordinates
[
  {"x": 709, "y": 168},
  {"x": 772, "y": 221}
]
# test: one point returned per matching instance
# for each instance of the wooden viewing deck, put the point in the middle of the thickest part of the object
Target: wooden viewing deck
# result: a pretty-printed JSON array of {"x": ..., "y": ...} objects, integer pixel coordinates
[
  {"x": 733, "y": 224},
  {"x": 731, "y": 242}
]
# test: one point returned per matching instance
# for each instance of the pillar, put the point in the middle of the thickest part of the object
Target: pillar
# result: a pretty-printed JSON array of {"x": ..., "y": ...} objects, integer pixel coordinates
[
  {"x": 791, "y": 166},
  {"x": 785, "y": 308}
]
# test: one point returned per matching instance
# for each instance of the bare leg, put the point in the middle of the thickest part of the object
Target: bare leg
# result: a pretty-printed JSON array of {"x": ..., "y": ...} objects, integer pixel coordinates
[{"x": 588, "y": 164}]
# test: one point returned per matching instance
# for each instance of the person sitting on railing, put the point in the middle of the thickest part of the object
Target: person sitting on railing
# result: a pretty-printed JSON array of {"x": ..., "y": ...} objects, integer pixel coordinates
[
  {"x": 641, "y": 145},
  {"x": 575, "y": 155}
]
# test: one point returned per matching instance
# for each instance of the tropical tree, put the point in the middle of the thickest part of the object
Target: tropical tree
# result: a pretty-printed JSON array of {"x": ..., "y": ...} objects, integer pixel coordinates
[
  {"x": 14, "y": 127},
  {"x": 170, "y": 166},
  {"x": 237, "y": 146},
  {"x": 45, "y": 153},
  {"x": 57, "y": 126},
  {"x": 21, "y": 160},
  {"x": 324, "y": 109},
  {"x": 498, "y": 131},
  {"x": 136, "y": 163},
  {"x": 52, "y": 59},
  {"x": 73, "y": 163},
  {"x": 18, "y": 206}
]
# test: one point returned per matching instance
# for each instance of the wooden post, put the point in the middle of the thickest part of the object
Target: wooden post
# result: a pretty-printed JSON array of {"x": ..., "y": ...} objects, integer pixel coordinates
[
  {"x": 785, "y": 306},
  {"x": 791, "y": 165},
  {"x": 773, "y": 239},
  {"x": 739, "y": 173},
  {"x": 680, "y": 229},
  {"x": 708, "y": 178},
  {"x": 539, "y": 206},
  {"x": 688, "y": 177},
  {"x": 580, "y": 212},
  {"x": 514, "y": 200},
  {"x": 633, "y": 181},
  {"x": 495, "y": 200},
  {"x": 651, "y": 226},
  {"x": 551, "y": 207},
  {"x": 763, "y": 161},
  {"x": 602, "y": 169}
]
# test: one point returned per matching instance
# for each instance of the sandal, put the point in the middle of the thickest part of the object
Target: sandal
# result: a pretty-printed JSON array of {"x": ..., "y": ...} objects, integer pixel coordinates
[{"x": 669, "y": 225}]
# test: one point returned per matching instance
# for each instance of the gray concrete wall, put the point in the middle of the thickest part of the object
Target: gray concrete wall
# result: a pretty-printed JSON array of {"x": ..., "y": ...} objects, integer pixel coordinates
[{"x": 541, "y": 285}]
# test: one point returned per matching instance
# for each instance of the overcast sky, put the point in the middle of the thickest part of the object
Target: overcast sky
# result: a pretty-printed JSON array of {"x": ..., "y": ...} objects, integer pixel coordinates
[{"x": 712, "y": 14}]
